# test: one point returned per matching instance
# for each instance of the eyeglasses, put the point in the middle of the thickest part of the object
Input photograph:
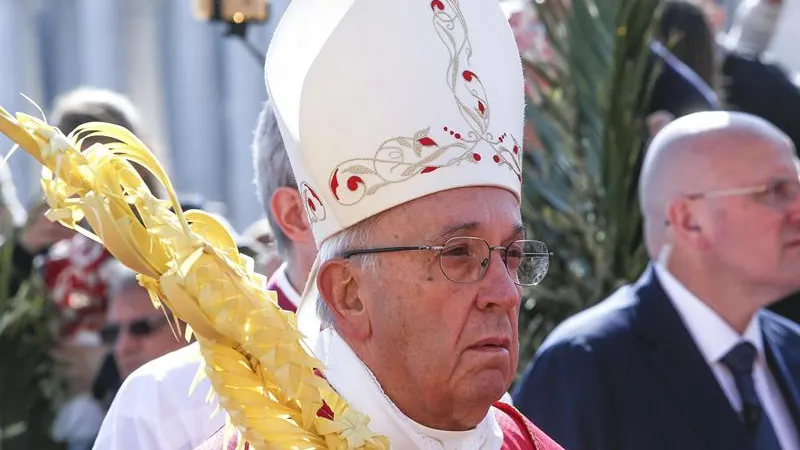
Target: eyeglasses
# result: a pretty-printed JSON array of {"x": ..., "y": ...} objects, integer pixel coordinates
[
  {"x": 776, "y": 193},
  {"x": 466, "y": 259},
  {"x": 140, "y": 328}
]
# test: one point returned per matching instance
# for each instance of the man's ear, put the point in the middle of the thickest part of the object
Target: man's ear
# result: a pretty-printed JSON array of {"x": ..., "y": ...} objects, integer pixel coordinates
[
  {"x": 338, "y": 288},
  {"x": 290, "y": 215},
  {"x": 685, "y": 224}
]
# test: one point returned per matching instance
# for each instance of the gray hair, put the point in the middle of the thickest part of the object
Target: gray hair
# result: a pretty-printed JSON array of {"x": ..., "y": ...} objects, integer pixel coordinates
[
  {"x": 335, "y": 246},
  {"x": 87, "y": 104},
  {"x": 118, "y": 277},
  {"x": 273, "y": 170}
]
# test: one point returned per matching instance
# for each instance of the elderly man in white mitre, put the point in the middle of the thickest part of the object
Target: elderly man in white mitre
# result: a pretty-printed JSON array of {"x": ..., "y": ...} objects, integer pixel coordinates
[{"x": 402, "y": 121}]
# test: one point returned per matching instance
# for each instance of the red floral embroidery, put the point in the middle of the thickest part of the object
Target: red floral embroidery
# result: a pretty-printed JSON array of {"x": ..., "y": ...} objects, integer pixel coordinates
[
  {"x": 401, "y": 158},
  {"x": 427, "y": 142},
  {"x": 314, "y": 207}
]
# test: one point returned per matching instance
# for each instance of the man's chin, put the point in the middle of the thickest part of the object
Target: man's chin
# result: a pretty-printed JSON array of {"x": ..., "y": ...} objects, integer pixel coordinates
[
  {"x": 127, "y": 368},
  {"x": 488, "y": 386}
]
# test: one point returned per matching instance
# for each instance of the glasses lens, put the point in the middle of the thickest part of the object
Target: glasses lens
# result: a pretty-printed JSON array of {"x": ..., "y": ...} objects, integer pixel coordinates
[
  {"x": 783, "y": 192},
  {"x": 464, "y": 259},
  {"x": 527, "y": 262},
  {"x": 109, "y": 333},
  {"x": 143, "y": 327}
]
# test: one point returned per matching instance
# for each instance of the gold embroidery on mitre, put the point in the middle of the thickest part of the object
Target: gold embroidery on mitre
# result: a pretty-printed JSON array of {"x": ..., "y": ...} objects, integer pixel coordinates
[{"x": 402, "y": 158}]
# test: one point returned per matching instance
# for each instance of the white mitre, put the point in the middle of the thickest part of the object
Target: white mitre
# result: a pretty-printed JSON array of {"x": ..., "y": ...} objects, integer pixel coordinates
[{"x": 384, "y": 101}]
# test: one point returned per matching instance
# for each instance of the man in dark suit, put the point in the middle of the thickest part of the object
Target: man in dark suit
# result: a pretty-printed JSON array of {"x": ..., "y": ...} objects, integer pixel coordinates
[
  {"x": 755, "y": 85},
  {"x": 687, "y": 358}
]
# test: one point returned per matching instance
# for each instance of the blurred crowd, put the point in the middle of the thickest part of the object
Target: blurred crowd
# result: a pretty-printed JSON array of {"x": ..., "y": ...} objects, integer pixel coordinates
[{"x": 108, "y": 327}]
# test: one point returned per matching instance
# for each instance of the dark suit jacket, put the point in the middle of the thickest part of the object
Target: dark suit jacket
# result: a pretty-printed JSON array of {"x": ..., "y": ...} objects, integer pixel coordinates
[
  {"x": 764, "y": 90},
  {"x": 677, "y": 89},
  {"x": 626, "y": 375}
]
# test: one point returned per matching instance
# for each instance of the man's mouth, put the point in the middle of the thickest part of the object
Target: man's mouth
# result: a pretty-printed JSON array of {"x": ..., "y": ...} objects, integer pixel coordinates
[{"x": 492, "y": 344}]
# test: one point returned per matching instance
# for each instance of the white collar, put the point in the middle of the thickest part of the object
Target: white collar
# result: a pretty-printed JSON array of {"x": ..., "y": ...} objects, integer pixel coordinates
[
  {"x": 712, "y": 335},
  {"x": 283, "y": 283},
  {"x": 356, "y": 383}
]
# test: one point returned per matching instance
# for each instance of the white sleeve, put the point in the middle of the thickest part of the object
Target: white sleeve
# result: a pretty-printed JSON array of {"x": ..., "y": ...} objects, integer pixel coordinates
[
  {"x": 154, "y": 411},
  {"x": 125, "y": 427}
]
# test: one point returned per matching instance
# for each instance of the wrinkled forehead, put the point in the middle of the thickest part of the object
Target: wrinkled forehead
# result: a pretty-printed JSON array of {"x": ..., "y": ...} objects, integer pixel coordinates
[
  {"x": 130, "y": 299},
  {"x": 488, "y": 212}
]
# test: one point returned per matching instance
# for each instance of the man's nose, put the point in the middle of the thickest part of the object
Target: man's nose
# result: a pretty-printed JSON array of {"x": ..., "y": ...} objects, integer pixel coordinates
[
  {"x": 126, "y": 343},
  {"x": 498, "y": 288},
  {"x": 794, "y": 210}
]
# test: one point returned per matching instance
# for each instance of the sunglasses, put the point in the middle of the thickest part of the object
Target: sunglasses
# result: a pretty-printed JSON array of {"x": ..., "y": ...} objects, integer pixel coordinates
[{"x": 138, "y": 328}]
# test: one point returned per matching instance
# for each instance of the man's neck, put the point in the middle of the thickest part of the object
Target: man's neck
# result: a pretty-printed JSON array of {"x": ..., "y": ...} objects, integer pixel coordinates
[
  {"x": 735, "y": 301},
  {"x": 297, "y": 274},
  {"x": 359, "y": 385},
  {"x": 408, "y": 396}
]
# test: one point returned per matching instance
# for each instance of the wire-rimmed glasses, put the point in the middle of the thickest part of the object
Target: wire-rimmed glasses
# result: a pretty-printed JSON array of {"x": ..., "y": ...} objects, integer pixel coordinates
[{"x": 466, "y": 259}]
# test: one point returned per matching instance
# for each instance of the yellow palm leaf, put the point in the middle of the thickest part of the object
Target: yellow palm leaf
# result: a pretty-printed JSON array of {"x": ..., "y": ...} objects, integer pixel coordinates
[{"x": 255, "y": 357}]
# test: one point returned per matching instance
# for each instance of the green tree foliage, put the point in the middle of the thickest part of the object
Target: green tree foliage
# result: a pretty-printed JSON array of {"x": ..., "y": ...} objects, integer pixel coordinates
[
  {"x": 587, "y": 107},
  {"x": 31, "y": 384}
]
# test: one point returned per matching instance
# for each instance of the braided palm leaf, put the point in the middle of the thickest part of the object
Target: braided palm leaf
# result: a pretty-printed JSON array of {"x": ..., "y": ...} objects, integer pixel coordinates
[{"x": 256, "y": 361}]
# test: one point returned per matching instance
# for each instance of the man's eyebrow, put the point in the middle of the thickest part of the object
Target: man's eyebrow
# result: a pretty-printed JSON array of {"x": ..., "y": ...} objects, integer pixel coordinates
[
  {"x": 458, "y": 228},
  {"x": 454, "y": 229},
  {"x": 518, "y": 233}
]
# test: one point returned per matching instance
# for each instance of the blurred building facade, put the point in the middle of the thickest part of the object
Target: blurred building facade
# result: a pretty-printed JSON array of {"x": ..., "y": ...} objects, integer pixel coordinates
[{"x": 199, "y": 92}]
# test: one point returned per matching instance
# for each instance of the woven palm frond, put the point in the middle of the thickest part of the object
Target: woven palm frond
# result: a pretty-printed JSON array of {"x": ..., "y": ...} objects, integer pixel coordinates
[{"x": 267, "y": 380}]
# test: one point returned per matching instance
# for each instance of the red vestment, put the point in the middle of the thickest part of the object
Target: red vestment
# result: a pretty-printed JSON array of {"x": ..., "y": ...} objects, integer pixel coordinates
[{"x": 518, "y": 433}]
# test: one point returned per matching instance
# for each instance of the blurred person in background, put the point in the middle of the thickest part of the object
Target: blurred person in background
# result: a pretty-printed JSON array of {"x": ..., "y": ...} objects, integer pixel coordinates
[
  {"x": 687, "y": 357},
  {"x": 258, "y": 242},
  {"x": 72, "y": 265},
  {"x": 747, "y": 79},
  {"x": 72, "y": 109},
  {"x": 684, "y": 29},
  {"x": 752, "y": 83},
  {"x": 86, "y": 104},
  {"x": 135, "y": 331},
  {"x": 737, "y": 69},
  {"x": 77, "y": 285},
  {"x": 758, "y": 86}
]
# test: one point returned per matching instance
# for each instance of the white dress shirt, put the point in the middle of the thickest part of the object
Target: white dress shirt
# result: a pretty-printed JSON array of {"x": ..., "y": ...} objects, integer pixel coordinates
[
  {"x": 153, "y": 409},
  {"x": 715, "y": 338}
]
